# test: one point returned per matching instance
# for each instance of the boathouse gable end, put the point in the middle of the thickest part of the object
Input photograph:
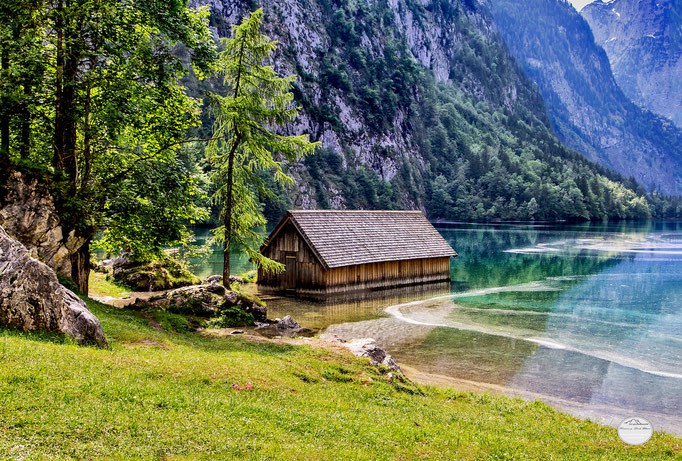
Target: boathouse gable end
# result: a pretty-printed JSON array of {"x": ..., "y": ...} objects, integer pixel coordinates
[{"x": 330, "y": 251}]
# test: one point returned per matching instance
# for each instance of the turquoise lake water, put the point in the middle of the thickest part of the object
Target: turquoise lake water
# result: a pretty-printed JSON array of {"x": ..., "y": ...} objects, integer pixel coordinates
[{"x": 587, "y": 317}]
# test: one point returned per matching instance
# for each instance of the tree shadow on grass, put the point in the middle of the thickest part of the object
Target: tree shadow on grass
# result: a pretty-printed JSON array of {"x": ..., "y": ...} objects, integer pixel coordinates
[{"x": 41, "y": 336}]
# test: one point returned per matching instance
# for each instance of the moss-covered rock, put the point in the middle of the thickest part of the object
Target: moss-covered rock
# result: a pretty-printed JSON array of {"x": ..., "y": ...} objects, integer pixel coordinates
[
  {"x": 212, "y": 301},
  {"x": 152, "y": 276}
]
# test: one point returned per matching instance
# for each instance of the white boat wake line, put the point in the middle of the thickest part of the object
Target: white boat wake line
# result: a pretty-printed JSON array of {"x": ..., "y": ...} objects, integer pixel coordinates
[{"x": 395, "y": 311}]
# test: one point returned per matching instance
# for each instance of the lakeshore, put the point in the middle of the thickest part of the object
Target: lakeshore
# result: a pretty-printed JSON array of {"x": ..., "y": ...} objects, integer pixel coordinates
[
  {"x": 160, "y": 393},
  {"x": 540, "y": 312}
]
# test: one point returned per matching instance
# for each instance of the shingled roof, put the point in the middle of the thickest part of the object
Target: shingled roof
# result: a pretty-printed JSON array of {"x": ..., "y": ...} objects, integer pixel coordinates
[{"x": 346, "y": 238}]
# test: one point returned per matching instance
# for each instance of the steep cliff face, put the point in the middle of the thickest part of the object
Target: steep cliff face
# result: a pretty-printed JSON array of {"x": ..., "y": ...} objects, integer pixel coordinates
[
  {"x": 419, "y": 104},
  {"x": 588, "y": 109},
  {"x": 358, "y": 64},
  {"x": 643, "y": 40}
]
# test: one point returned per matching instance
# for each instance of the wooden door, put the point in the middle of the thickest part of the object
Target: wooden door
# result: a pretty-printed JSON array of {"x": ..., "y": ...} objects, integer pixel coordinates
[{"x": 290, "y": 275}]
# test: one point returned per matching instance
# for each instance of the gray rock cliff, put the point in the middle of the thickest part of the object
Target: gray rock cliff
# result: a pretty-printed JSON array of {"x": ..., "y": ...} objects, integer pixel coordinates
[
  {"x": 28, "y": 214},
  {"x": 588, "y": 108},
  {"x": 643, "y": 40}
]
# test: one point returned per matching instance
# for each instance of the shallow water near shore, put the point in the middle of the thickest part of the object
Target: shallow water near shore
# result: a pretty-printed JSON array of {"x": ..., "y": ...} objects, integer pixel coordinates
[{"x": 587, "y": 317}]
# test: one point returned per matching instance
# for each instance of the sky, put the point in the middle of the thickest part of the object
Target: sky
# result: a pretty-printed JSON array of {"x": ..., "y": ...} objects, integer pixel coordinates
[{"x": 578, "y": 4}]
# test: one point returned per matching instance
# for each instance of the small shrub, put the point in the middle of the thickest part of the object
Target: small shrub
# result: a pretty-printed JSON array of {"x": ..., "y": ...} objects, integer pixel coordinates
[
  {"x": 193, "y": 306},
  {"x": 173, "y": 322},
  {"x": 67, "y": 283},
  {"x": 250, "y": 276},
  {"x": 233, "y": 316}
]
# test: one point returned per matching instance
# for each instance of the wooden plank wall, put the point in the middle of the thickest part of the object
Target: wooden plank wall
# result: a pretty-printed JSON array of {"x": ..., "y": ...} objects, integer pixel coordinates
[
  {"x": 309, "y": 273},
  {"x": 387, "y": 274},
  {"x": 312, "y": 278}
]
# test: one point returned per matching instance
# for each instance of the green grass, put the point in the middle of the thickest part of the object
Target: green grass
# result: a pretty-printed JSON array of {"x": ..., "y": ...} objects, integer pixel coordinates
[
  {"x": 157, "y": 394},
  {"x": 99, "y": 285}
]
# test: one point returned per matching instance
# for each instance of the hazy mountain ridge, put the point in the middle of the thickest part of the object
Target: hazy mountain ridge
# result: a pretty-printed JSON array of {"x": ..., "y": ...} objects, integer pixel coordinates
[
  {"x": 589, "y": 111},
  {"x": 643, "y": 40}
]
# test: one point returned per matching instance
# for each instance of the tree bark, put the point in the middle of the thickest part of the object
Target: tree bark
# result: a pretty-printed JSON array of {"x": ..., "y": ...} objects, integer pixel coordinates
[
  {"x": 87, "y": 149},
  {"x": 57, "y": 161},
  {"x": 5, "y": 113},
  {"x": 80, "y": 267},
  {"x": 227, "y": 218}
]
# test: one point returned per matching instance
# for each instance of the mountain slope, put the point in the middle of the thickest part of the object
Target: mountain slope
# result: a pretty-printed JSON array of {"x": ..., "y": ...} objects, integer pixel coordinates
[
  {"x": 589, "y": 111},
  {"x": 643, "y": 40},
  {"x": 418, "y": 104}
]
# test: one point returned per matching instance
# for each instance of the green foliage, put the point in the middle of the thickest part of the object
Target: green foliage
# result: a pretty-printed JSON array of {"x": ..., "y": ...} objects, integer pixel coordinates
[
  {"x": 151, "y": 209},
  {"x": 68, "y": 284},
  {"x": 172, "y": 322},
  {"x": 93, "y": 98},
  {"x": 232, "y": 316},
  {"x": 244, "y": 143}
]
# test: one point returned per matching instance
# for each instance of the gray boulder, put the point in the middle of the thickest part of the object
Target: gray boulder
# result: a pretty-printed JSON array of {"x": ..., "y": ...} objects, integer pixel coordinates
[
  {"x": 364, "y": 347},
  {"x": 288, "y": 323},
  {"x": 219, "y": 279},
  {"x": 31, "y": 297}
]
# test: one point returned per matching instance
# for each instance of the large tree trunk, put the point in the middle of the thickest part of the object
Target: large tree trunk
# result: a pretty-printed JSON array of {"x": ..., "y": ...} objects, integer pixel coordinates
[
  {"x": 25, "y": 116},
  {"x": 80, "y": 267},
  {"x": 4, "y": 112},
  {"x": 68, "y": 58},
  {"x": 69, "y": 122},
  {"x": 57, "y": 161},
  {"x": 228, "y": 218}
]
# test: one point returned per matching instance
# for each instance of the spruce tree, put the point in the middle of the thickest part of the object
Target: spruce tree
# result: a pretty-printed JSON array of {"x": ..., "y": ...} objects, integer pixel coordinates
[{"x": 245, "y": 141}]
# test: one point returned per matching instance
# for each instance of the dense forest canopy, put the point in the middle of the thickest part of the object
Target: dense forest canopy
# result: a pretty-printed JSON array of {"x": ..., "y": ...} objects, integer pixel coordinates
[{"x": 91, "y": 104}]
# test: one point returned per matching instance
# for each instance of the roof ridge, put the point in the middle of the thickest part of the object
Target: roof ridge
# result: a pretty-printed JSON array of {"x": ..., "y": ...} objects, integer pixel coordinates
[{"x": 356, "y": 211}]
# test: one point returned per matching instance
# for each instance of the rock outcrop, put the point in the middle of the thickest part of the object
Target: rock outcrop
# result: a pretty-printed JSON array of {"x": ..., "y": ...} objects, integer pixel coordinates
[
  {"x": 151, "y": 276},
  {"x": 364, "y": 347},
  {"x": 208, "y": 300},
  {"x": 28, "y": 214},
  {"x": 32, "y": 299}
]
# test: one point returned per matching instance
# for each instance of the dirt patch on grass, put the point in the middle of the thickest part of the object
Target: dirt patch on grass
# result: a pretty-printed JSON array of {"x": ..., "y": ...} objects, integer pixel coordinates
[
  {"x": 152, "y": 321},
  {"x": 146, "y": 343}
]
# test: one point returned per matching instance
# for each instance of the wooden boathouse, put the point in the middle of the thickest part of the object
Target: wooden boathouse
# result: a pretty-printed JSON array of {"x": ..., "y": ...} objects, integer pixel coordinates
[{"x": 331, "y": 251}]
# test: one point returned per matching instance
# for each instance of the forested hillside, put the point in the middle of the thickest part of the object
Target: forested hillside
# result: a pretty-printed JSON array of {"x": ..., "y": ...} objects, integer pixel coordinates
[
  {"x": 419, "y": 105},
  {"x": 589, "y": 111}
]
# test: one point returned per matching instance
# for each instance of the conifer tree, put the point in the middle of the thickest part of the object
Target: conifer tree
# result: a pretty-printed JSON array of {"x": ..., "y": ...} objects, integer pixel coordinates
[{"x": 245, "y": 142}]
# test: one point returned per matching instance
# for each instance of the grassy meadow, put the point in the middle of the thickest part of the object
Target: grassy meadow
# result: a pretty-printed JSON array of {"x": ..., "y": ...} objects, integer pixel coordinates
[{"x": 170, "y": 395}]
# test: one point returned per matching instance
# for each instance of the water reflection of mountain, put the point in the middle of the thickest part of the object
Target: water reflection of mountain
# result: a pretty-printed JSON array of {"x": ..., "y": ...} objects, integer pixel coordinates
[
  {"x": 628, "y": 322},
  {"x": 483, "y": 262}
]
